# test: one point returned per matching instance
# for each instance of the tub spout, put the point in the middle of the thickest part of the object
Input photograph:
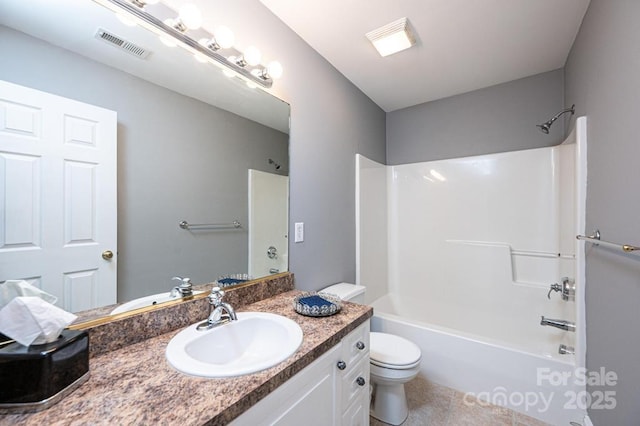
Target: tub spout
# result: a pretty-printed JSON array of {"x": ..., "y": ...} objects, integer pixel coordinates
[
  {"x": 566, "y": 350},
  {"x": 561, "y": 324}
]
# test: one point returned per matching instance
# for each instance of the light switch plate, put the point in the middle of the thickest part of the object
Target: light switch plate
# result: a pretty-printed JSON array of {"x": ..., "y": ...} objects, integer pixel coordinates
[{"x": 299, "y": 232}]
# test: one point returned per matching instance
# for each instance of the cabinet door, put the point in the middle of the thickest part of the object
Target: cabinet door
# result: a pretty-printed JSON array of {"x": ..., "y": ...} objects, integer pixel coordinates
[
  {"x": 313, "y": 407},
  {"x": 309, "y": 398},
  {"x": 357, "y": 414}
]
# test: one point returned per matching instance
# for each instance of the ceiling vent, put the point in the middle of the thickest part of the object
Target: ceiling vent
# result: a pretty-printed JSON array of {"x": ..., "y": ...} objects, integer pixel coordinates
[
  {"x": 122, "y": 44},
  {"x": 392, "y": 38}
]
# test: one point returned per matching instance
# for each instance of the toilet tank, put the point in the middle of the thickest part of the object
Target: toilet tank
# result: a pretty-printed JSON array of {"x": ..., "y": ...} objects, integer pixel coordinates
[{"x": 346, "y": 291}]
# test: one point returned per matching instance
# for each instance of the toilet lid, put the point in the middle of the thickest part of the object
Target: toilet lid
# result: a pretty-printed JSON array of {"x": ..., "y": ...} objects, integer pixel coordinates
[{"x": 388, "y": 350}]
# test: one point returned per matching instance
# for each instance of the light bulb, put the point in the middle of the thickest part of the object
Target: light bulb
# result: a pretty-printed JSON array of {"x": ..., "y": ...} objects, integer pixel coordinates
[
  {"x": 274, "y": 69},
  {"x": 190, "y": 16},
  {"x": 252, "y": 55},
  {"x": 224, "y": 37}
]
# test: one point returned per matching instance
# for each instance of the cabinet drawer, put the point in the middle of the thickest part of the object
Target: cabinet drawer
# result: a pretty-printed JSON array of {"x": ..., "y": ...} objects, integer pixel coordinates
[
  {"x": 355, "y": 382},
  {"x": 355, "y": 346}
]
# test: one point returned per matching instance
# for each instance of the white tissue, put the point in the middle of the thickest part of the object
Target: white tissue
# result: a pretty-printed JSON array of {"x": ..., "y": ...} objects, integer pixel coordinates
[
  {"x": 11, "y": 289},
  {"x": 32, "y": 321}
]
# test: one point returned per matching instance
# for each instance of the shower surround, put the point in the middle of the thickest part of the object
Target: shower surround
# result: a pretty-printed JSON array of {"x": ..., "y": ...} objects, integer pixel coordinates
[{"x": 472, "y": 247}]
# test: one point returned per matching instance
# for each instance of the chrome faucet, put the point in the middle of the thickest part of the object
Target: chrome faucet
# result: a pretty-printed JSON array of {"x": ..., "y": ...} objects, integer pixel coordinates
[
  {"x": 221, "y": 312},
  {"x": 566, "y": 350},
  {"x": 185, "y": 289},
  {"x": 561, "y": 324},
  {"x": 567, "y": 289}
]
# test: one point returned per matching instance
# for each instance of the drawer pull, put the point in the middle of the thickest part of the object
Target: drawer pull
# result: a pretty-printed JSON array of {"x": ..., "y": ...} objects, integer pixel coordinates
[
  {"x": 361, "y": 381},
  {"x": 341, "y": 365},
  {"x": 360, "y": 345}
]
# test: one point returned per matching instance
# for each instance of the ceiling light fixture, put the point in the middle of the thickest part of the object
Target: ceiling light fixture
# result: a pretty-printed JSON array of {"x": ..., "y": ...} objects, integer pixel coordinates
[
  {"x": 143, "y": 3},
  {"x": 173, "y": 31},
  {"x": 189, "y": 18},
  {"x": 392, "y": 38},
  {"x": 222, "y": 38}
]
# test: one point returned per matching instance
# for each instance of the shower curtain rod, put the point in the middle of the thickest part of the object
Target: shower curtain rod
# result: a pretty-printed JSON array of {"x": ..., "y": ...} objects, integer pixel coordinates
[{"x": 595, "y": 239}]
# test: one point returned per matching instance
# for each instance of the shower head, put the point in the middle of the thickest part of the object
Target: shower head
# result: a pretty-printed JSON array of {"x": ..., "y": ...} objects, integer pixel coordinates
[
  {"x": 544, "y": 127},
  {"x": 276, "y": 165}
]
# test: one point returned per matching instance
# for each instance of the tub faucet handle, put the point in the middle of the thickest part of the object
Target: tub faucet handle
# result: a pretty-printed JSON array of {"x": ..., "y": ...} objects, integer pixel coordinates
[
  {"x": 567, "y": 289},
  {"x": 554, "y": 287}
]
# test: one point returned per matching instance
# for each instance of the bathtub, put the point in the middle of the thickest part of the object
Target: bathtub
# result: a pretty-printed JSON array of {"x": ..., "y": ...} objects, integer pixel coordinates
[{"x": 507, "y": 374}]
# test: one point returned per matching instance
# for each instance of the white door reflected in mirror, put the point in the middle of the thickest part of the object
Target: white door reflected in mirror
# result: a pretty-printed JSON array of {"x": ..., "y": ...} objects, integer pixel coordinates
[
  {"x": 58, "y": 171},
  {"x": 268, "y": 222}
]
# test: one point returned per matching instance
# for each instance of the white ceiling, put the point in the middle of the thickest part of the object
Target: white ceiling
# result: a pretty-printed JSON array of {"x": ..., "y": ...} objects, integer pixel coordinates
[{"x": 463, "y": 45}]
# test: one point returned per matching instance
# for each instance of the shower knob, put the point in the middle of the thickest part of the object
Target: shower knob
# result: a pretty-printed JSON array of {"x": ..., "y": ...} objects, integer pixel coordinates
[
  {"x": 361, "y": 381},
  {"x": 272, "y": 252},
  {"x": 360, "y": 345},
  {"x": 567, "y": 289},
  {"x": 341, "y": 365},
  {"x": 554, "y": 287}
]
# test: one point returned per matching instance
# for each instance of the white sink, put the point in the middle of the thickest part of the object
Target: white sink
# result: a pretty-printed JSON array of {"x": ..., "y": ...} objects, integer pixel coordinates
[
  {"x": 256, "y": 341},
  {"x": 142, "y": 302}
]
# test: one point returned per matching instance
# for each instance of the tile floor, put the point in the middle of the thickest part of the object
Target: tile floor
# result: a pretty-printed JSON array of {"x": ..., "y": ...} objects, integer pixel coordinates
[{"x": 435, "y": 405}]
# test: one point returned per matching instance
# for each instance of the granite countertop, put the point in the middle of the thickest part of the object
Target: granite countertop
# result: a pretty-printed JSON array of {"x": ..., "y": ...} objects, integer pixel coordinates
[{"x": 136, "y": 385}]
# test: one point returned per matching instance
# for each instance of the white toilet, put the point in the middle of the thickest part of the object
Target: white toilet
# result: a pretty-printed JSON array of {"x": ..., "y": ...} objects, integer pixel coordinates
[{"x": 394, "y": 361}]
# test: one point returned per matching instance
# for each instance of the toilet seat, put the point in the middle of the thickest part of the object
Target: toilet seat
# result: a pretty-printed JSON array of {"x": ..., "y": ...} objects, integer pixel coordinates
[
  {"x": 393, "y": 352},
  {"x": 394, "y": 366}
]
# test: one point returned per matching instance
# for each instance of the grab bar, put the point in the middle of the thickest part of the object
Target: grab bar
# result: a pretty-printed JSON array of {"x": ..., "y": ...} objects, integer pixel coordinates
[
  {"x": 186, "y": 225},
  {"x": 595, "y": 239}
]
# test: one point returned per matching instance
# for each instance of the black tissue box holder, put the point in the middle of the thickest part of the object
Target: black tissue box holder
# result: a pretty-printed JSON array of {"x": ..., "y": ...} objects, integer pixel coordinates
[{"x": 35, "y": 377}]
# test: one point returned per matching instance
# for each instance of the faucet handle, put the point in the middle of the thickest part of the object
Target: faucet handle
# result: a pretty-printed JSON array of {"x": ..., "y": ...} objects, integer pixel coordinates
[
  {"x": 216, "y": 296},
  {"x": 184, "y": 289},
  {"x": 554, "y": 287},
  {"x": 567, "y": 289},
  {"x": 184, "y": 282}
]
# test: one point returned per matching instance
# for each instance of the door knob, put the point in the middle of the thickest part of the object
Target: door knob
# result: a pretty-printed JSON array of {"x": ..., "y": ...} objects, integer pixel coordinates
[{"x": 107, "y": 255}]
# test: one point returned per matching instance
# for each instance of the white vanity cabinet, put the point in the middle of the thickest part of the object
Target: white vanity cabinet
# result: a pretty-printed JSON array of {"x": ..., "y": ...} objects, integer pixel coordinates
[{"x": 332, "y": 390}]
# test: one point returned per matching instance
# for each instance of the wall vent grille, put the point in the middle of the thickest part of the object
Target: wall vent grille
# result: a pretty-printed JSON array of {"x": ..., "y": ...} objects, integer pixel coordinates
[{"x": 122, "y": 44}]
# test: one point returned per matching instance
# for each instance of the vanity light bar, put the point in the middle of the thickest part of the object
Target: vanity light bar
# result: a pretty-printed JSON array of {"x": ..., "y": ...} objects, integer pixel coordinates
[{"x": 159, "y": 27}]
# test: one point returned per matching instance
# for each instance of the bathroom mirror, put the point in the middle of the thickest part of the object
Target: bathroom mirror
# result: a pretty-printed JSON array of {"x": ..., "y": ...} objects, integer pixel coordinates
[{"x": 189, "y": 142}]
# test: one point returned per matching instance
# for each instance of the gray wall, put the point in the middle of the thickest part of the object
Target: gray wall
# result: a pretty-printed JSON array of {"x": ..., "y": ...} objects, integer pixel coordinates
[
  {"x": 495, "y": 119},
  {"x": 178, "y": 158},
  {"x": 331, "y": 121},
  {"x": 603, "y": 79}
]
